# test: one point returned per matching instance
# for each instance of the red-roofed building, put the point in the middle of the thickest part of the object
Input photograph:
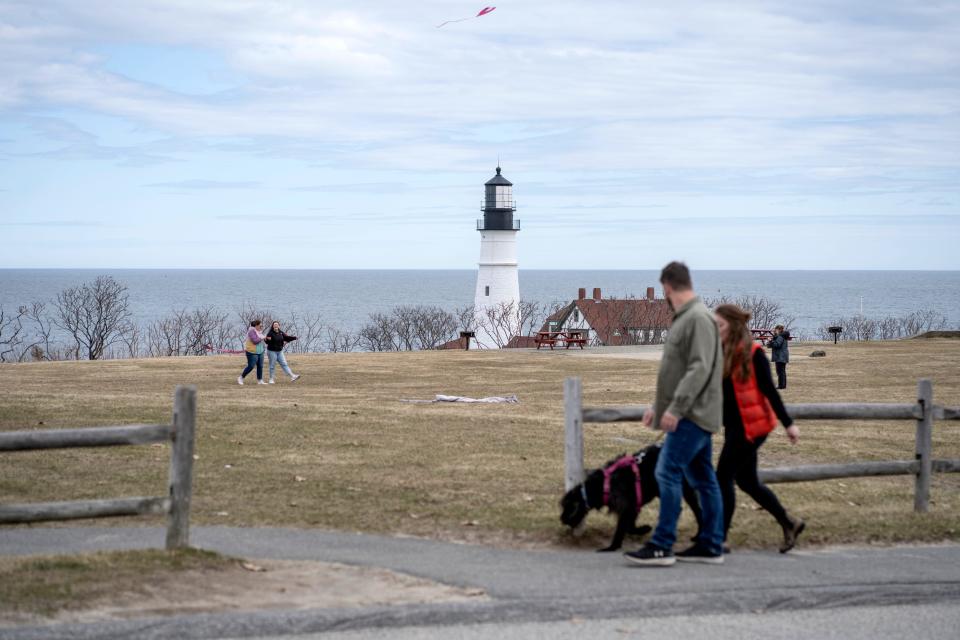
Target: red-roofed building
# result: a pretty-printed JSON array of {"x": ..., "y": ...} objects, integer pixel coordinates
[{"x": 614, "y": 321}]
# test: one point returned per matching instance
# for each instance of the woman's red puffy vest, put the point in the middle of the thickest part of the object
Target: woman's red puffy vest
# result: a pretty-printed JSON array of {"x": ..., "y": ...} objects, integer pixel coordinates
[{"x": 755, "y": 410}]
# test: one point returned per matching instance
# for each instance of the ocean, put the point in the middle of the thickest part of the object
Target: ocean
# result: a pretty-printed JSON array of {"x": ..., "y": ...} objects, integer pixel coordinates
[{"x": 345, "y": 298}]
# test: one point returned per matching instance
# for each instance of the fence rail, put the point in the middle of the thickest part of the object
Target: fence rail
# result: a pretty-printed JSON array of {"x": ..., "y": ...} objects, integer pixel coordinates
[
  {"x": 177, "y": 502},
  {"x": 923, "y": 411}
]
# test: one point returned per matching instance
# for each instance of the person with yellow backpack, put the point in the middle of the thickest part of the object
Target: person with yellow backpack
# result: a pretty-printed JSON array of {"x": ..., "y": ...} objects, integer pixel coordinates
[{"x": 253, "y": 348}]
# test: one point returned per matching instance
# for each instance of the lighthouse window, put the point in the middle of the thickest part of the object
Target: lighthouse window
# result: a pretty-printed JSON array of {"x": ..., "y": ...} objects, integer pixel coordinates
[
  {"x": 486, "y": 290},
  {"x": 504, "y": 196}
]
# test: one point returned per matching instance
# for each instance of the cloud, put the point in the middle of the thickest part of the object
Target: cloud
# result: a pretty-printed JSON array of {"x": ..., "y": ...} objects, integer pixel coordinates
[
  {"x": 51, "y": 223},
  {"x": 72, "y": 142},
  {"x": 279, "y": 217},
  {"x": 360, "y": 187},
  {"x": 204, "y": 184}
]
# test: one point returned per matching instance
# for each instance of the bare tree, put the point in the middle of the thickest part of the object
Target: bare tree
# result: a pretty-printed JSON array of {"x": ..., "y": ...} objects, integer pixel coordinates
[
  {"x": 10, "y": 328},
  {"x": 309, "y": 329},
  {"x": 95, "y": 315},
  {"x": 764, "y": 312},
  {"x": 404, "y": 320},
  {"x": 379, "y": 334},
  {"x": 466, "y": 317},
  {"x": 166, "y": 336},
  {"x": 497, "y": 323},
  {"x": 338, "y": 341},
  {"x": 249, "y": 311},
  {"x": 433, "y": 326},
  {"x": 132, "y": 339},
  {"x": 187, "y": 333}
]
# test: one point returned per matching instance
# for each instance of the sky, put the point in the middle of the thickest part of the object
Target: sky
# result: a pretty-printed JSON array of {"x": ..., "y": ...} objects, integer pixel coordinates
[{"x": 320, "y": 135}]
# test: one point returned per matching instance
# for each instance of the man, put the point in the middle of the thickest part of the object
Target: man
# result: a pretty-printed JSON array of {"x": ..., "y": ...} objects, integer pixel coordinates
[
  {"x": 689, "y": 409},
  {"x": 780, "y": 354}
]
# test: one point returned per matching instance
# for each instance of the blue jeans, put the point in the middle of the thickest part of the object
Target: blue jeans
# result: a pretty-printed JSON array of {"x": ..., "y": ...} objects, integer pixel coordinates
[
  {"x": 686, "y": 454},
  {"x": 277, "y": 356},
  {"x": 253, "y": 360}
]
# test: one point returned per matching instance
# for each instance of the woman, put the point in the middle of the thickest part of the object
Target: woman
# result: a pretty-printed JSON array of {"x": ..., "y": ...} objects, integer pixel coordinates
[
  {"x": 751, "y": 406},
  {"x": 275, "y": 341},
  {"x": 254, "y": 350}
]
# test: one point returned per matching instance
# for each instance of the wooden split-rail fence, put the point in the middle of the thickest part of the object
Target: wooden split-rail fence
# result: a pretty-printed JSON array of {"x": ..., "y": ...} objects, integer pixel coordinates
[
  {"x": 923, "y": 411},
  {"x": 176, "y": 504}
]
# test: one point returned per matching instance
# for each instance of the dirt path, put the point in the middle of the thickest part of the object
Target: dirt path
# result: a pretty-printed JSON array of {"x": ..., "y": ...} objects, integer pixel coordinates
[{"x": 259, "y": 585}]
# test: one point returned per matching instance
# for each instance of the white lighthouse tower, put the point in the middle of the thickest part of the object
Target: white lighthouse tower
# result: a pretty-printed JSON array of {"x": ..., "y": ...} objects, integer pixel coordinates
[{"x": 498, "y": 284}]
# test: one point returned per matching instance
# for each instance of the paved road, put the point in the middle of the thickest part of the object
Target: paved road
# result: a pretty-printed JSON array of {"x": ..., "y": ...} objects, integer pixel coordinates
[{"x": 534, "y": 592}]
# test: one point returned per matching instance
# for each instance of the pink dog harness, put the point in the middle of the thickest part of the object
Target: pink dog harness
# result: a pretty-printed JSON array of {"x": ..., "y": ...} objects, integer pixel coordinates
[{"x": 625, "y": 461}]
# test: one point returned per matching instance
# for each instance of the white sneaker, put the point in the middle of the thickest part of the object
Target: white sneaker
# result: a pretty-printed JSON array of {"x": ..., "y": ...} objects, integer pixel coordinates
[
  {"x": 294, "y": 377},
  {"x": 240, "y": 380},
  {"x": 261, "y": 382},
  {"x": 271, "y": 381}
]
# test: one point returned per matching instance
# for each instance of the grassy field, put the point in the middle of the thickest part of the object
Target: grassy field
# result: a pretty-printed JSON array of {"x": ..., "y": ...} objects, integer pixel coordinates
[{"x": 338, "y": 449}]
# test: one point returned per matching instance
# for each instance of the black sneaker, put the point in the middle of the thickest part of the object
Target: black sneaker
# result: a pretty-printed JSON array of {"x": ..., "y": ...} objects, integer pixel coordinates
[
  {"x": 651, "y": 555},
  {"x": 698, "y": 553}
]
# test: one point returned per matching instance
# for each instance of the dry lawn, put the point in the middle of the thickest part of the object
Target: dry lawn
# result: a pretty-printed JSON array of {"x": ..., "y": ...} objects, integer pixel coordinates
[{"x": 337, "y": 449}]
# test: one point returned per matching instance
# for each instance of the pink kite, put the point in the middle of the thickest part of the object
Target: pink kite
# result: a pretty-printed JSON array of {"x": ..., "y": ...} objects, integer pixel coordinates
[{"x": 483, "y": 12}]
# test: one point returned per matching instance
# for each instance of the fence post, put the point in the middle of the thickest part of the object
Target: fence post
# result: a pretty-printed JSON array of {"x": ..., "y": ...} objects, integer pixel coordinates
[
  {"x": 573, "y": 426},
  {"x": 921, "y": 495},
  {"x": 181, "y": 467}
]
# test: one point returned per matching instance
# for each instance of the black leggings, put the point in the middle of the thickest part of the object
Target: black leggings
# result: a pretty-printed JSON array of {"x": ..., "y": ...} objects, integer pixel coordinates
[{"x": 738, "y": 462}]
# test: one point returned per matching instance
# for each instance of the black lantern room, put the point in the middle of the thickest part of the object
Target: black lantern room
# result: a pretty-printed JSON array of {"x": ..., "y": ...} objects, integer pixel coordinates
[{"x": 498, "y": 206}]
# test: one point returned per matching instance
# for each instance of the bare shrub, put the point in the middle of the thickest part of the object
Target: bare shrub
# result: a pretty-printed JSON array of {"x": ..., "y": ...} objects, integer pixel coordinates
[
  {"x": 309, "y": 329},
  {"x": 379, "y": 334},
  {"x": 497, "y": 324},
  {"x": 408, "y": 328},
  {"x": 338, "y": 341},
  {"x": 187, "y": 333},
  {"x": 433, "y": 326},
  {"x": 466, "y": 317},
  {"x": 11, "y": 326},
  {"x": 859, "y": 327},
  {"x": 133, "y": 339}
]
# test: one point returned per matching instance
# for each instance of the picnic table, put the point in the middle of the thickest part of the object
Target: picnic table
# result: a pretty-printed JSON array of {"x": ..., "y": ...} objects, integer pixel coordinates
[
  {"x": 765, "y": 335},
  {"x": 564, "y": 338}
]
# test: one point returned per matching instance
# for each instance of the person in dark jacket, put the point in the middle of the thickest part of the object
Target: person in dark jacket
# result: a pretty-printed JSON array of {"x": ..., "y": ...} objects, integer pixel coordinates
[
  {"x": 780, "y": 353},
  {"x": 275, "y": 340},
  {"x": 751, "y": 407}
]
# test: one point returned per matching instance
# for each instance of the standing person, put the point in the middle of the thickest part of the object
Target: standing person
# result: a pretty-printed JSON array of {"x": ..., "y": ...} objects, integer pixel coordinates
[
  {"x": 751, "y": 407},
  {"x": 254, "y": 350},
  {"x": 780, "y": 353},
  {"x": 688, "y": 408},
  {"x": 276, "y": 338}
]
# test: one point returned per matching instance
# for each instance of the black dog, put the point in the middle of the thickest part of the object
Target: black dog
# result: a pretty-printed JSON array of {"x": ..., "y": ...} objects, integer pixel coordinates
[{"x": 621, "y": 496}]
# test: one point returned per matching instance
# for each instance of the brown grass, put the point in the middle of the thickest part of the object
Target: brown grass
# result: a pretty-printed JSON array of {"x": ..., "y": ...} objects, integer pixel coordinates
[{"x": 338, "y": 449}]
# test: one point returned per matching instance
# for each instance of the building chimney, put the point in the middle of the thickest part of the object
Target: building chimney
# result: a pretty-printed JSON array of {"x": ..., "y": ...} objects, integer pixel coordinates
[
  {"x": 581, "y": 293},
  {"x": 596, "y": 294},
  {"x": 650, "y": 293}
]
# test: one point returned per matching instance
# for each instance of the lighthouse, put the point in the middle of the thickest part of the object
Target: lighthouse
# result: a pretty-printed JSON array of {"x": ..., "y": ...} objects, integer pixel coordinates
[{"x": 498, "y": 284}]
